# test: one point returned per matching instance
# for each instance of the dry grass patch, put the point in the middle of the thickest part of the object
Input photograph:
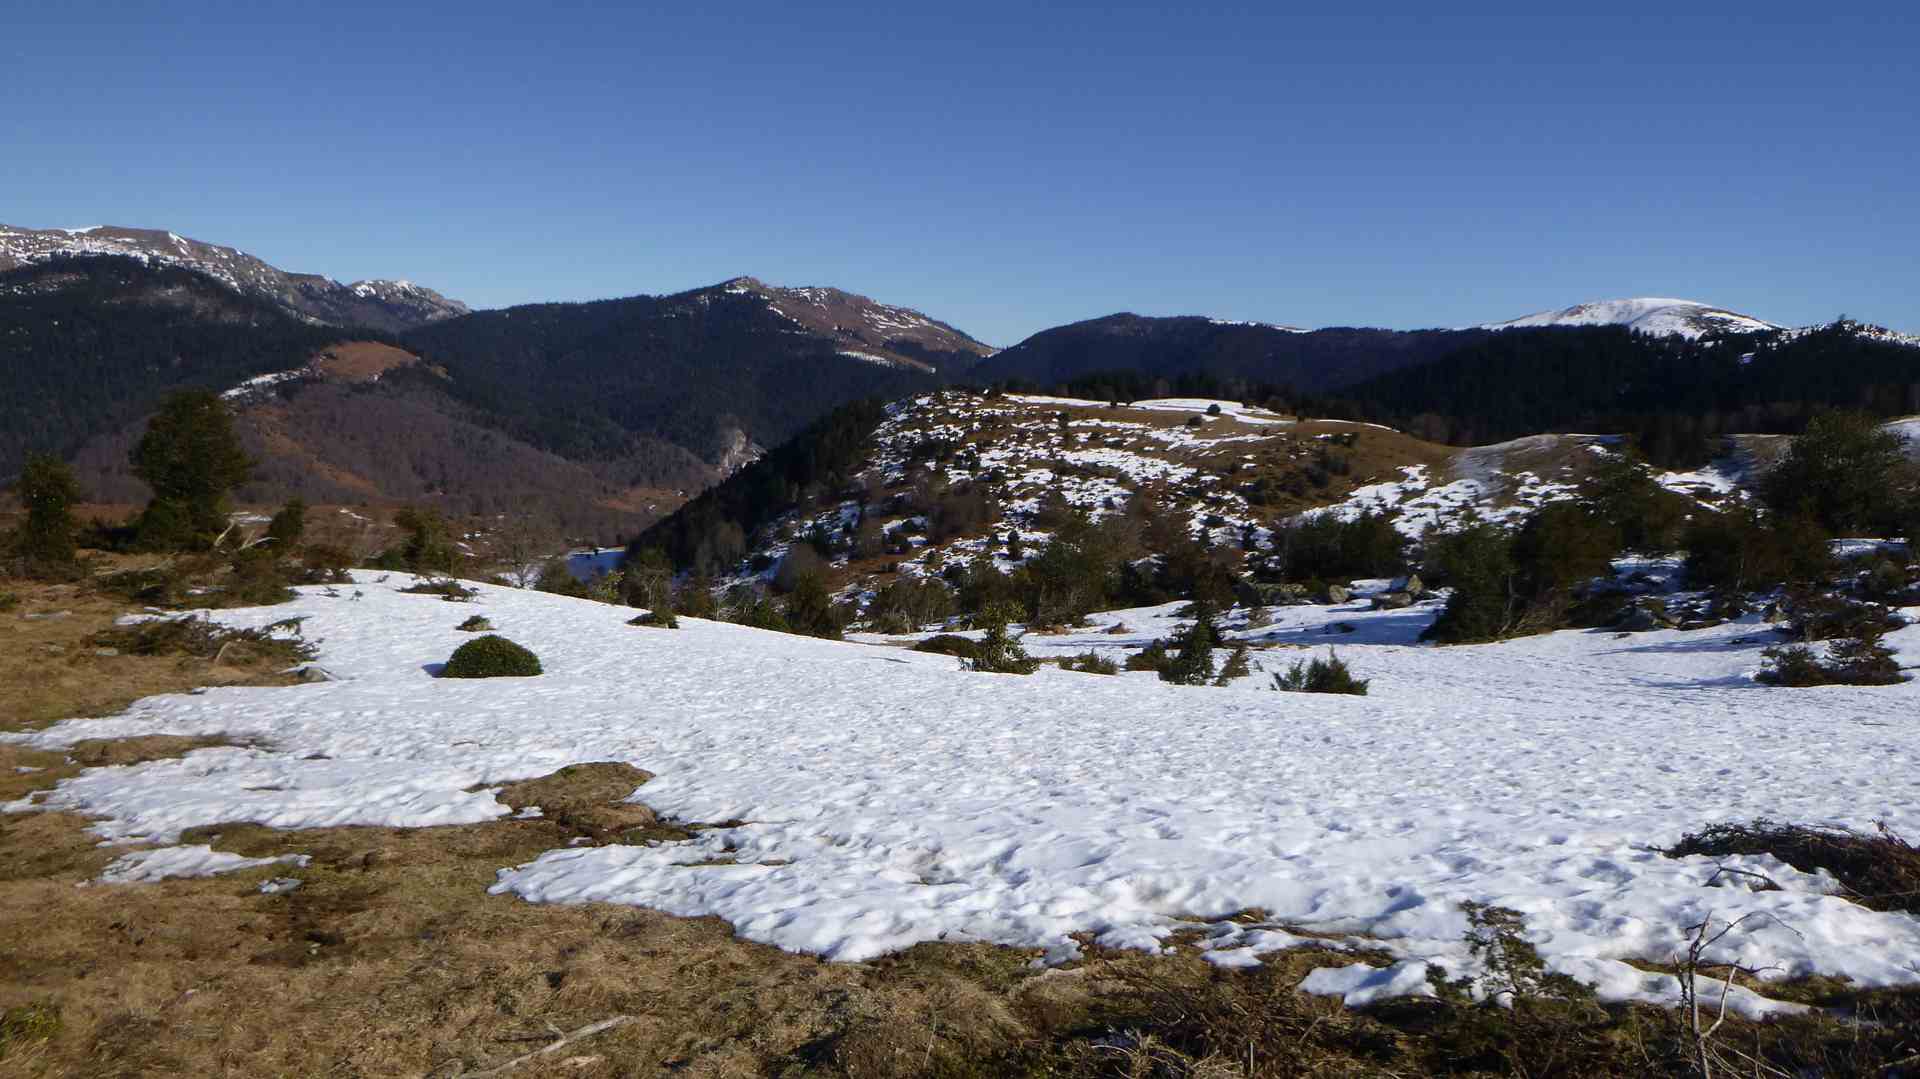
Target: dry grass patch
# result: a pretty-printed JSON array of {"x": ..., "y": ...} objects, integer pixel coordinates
[
  {"x": 1880, "y": 871},
  {"x": 52, "y": 666}
]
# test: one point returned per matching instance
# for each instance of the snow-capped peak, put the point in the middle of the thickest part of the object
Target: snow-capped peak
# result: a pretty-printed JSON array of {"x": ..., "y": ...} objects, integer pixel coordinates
[{"x": 1653, "y": 315}]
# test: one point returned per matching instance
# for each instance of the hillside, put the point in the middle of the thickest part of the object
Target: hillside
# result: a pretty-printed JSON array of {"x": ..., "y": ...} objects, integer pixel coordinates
[
  {"x": 1307, "y": 361},
  {"x": 719, "y": 371},
  {"x": 1676, "y": 395},
  {"x": 376, "y": 304},
  {"x": 955, "y": 479}
]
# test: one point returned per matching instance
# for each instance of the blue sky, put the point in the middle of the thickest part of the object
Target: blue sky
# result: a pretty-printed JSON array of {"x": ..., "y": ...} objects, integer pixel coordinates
[{"x": 1001, "y": 167}]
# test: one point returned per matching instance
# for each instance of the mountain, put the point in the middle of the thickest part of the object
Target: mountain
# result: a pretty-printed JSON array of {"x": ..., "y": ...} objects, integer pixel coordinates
[
  {"x": 720, "y": 371},
  {"x": 380, "y": 305},
  {"x": 1682, "y": 318},
  {"x": 1252, "y": 353},
  {"x": 866, "y": 329}
]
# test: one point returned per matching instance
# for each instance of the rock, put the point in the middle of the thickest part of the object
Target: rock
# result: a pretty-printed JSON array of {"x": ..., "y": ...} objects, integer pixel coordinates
[
  {"x": 1411, "y": 584},
  {"x": 1338, "y": 594},
  {"x": 1702, "y": 623},
  {"x": 279, "y": 885},
  {"x": 1340, "y": 627},
  {"x": 106, "y": 652},
  {"x": 1637, "y": 620},
  {"x": 316, "y": 674},
  {"x": 1392, "y": 601},
  {"x": 47, "y": 616}
]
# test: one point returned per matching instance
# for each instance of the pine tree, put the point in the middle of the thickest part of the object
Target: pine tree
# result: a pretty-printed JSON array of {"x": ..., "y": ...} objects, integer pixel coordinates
[
  {"x": 193, "y": 460},
  {"x": 45, "y": 540},
  {"x": 1192, "y": 664}
]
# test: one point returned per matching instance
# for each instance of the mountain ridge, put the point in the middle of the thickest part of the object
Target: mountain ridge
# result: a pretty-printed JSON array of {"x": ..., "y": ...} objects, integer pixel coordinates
[{"x": 380, "y": 304}]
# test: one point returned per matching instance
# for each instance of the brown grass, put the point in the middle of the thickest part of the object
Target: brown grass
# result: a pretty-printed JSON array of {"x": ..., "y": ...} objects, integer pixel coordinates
[{"x": 1877, "y": 870}]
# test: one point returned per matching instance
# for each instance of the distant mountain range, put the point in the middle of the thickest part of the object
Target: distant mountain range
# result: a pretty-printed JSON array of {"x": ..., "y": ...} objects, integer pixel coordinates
[
  {"x": 605, "y": 415},
  {"x": 377, "y": 304}
]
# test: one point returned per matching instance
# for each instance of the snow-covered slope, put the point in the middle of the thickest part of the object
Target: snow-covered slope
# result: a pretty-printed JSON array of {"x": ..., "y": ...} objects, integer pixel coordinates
[
  {"x": 866, "y": 329},
  {"x": 885, "y": 797},
  {"x": 1685, "y": 318},
  {"x": 385, "y": 305}
]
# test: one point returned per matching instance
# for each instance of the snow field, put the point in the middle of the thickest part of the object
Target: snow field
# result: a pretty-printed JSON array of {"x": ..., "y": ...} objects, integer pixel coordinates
[{"x": 891, "y": 798}]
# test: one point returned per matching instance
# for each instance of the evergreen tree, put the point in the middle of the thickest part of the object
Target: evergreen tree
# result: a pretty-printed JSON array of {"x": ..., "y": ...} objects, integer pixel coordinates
[
  {"x": 289, "y": 524},
  {"x": 193, "y": 460},
  {"x": 44, "y": 541},
  {"x": 1192, "y": 664},
  {"x": 1844, "y": 472},
  {"x": 809, "y": 608},
  {"x": 428, "y": 547}
]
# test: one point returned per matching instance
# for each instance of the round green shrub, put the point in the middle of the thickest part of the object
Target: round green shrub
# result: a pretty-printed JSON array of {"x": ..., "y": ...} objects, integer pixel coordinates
[{"x": 492, "y": 656}]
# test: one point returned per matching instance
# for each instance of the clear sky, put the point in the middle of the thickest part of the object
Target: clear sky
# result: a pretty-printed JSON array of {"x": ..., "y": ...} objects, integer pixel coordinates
[{"x": 1001, "y": 166}]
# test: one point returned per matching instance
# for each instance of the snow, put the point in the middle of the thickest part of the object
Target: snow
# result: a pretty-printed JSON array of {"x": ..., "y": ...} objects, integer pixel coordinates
[
  {"x": 891, "y": 798},
  {"x": 168, "y": 863},
  {"x": 1685, "y": 318}
]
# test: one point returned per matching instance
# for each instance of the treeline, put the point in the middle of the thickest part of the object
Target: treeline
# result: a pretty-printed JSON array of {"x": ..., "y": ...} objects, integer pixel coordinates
[
  {"x": 1676, "y": 397},
  {"x": 92, "y": 344},
  {"x": 1127, "y": 386}
]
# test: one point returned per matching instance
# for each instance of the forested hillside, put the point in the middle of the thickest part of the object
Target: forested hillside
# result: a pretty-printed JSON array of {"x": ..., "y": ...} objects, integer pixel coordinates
[
  {"x": 1306, "y": 361},
  {"x": 1675, "y": 396},
  {"x": 700, "y": 370},
  {"x": 88, "y": 345}
]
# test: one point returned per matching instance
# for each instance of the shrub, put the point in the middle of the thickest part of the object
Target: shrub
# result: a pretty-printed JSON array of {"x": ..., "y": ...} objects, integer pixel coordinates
[
  {"x": 1330, "y": 675},
  {"x": 1646, "y": 515},
  {"x": 906, "y": 605},
  {"x": 809, "y": 609},
  {"x": 289, "y": 524},
  {"x": 1192, "y": 663},
  {"x": 428, "y": 547},
  {"x": 1322, "y": 545},
  {"x": 1237, "y": 666},
  {"x": 258, "y": 578},
  {"x": 1851, "y": 661},
  {"x": 44, "y": 542},
  {"x": 475, "y": 624},
  {"x": 1845, "y": 473},
  {"x": 201, "y": 639},
  {"x": 1151, "y": 658},
  {"x": 998, "y": 653},
  {"x": 662, "y": 619},
  {"x": 695, "y": 598},
  {"x": 949, "y": 644},
  {"x": 1880, "y": 871},
  {"x": 1524, "y": 583},
  {"x": 1743, "y": 550},
  {"x": 556, "y": 578},
  {"x": 491, "y": 656},
  {"x": 325, "y": 564},
  {"x": 1090, "y": 662},
  {"x": 446, "y": 588}
]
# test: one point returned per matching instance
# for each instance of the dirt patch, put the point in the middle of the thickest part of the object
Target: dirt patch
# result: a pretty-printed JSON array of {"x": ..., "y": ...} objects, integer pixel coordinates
[
  {"x": 591, "y": 801},
  {"x": 362, "y": 361}
]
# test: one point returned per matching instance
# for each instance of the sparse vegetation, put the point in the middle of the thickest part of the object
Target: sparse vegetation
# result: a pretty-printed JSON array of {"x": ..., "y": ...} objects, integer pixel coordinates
[
  {"x": 491, "y": 656},
  {"x": 475, "y": 624},
  {"x": 1090, "y": 662},
  {"x": 997, "y": 652},
  {"x": 1879, "y": 870},
  {"x": 202, "y": 639},
  {"x": 1330, "y": 675},
  {"x": 446, "y": 588}
]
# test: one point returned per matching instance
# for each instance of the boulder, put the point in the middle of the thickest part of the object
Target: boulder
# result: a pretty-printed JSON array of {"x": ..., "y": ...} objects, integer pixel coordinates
[
  {"x": 1411, "y": 584},
  {"x": 1392, "y": 601},
  {"x": 1337, "y": 594}
]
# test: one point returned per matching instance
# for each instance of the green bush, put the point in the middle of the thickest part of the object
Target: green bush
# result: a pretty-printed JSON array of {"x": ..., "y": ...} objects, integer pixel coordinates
[
  {"x": 289, "y": 524},
  {"x": 1845, "y": 473},
  {"x": 1744, "y": 550},
  {"x": 491, "y": 656},
  {"x": 45, "y": 540},
  {"x": 1330, "y": 675},
  {"x": 1090, "y": 662},
  {"x": 949, "y": 644},
  {"x": 1507, "y": 585},
  {"x": 475, "y": 624},
  {"x": 1237, "y": 666},
  {"x": 1192, "y": 663},
  {"x": 663, "y": 619},
  {"x": 998, "y": 653},
  {"x": 446, "y": 588},
  {"x": 1324, "y": 546}
]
